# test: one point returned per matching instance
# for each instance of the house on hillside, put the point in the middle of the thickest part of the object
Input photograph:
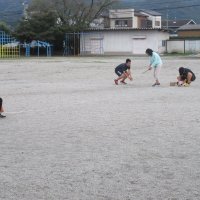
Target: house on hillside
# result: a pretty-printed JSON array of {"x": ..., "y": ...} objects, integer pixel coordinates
[
  {"x": 153, "y": 17},
  {"x": 128, "y": 18},
  {"x": 131, "y": 18},
  {"x": 174, "y": 25}
]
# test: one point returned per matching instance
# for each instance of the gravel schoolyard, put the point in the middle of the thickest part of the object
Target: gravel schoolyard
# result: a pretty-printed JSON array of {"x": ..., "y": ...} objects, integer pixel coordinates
[{"x": 70, "y": 133}]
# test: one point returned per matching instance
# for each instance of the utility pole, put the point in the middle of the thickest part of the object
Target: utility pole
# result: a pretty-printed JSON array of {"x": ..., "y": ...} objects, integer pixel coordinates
[
  {"x": 167, "y": 18},
  {"x": 25, "y": 13}
]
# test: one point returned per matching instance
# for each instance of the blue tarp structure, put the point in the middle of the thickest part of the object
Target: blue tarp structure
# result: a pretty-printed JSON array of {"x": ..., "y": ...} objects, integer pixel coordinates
[{"x": 38, "y": 44}]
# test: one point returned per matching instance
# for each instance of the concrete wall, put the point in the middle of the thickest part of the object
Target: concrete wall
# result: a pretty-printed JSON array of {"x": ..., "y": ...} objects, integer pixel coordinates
[
  {"x": 192, "y": 46},
  {"x": 121, "y": 42},
  {"x": 183, "y": 46},
  {"x": 175, "y": 46}
]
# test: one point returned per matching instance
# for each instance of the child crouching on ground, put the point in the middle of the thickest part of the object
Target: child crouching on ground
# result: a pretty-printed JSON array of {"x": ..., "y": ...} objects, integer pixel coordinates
[
  {"x": 123, "y": 72},
  {"x": 186, "y": 76}
]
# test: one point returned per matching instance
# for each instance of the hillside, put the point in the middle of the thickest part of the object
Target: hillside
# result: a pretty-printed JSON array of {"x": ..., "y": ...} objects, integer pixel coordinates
[{"x": 12, "y": 10}]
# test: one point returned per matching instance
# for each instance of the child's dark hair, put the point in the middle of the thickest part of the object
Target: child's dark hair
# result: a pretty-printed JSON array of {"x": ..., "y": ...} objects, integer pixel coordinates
[
  {"x": 181, "y": 70},
  {"x": 149, "y": 52},
  {"x": 128, "y": 60}
]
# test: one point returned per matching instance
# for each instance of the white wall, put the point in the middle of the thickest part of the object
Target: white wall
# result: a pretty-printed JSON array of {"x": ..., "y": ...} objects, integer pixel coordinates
[
  {"x": 192, "y": 46},
  {"x": 157, "y": 18},
  {"x": 112, "y": 23},
  {"x": 121, "y": 13},
  {"x": 91, "y": 43},
  {"x": 127, "y": 41},
  {"x": 183, "y": 46},
  {"x": 135, "y": 22},
  {"x": 123, "y": 42},
  {"x": 175, "y": 46},
  {"x": 154, "y": 19}
]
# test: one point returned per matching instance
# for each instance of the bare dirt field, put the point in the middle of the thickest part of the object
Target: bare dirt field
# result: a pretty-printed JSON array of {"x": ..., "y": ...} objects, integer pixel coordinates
[{"x": 70, "y": 133}]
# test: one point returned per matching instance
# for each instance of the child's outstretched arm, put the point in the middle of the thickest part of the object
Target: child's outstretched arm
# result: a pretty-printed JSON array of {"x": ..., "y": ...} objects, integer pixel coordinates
[{"x": 128, "y": 75}]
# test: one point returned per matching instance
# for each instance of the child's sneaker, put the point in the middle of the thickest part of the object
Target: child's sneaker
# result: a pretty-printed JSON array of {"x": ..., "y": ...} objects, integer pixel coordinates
[
  {"x": 123, "y": 82},
  {"x": 155, "y": 84},
  {"x": 2, "y": 116},
  {"x": 186, "y": 85},
  {"x": 116, "y": 82}
]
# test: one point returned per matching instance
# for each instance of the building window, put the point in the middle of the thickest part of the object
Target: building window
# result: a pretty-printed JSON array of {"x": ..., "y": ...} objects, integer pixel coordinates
[
  {"x": 164, "y": 43},
  {"x": 149, "y": 24},
  {"x": 157, "y": 23},
  {"x": 121, "y": 23}
]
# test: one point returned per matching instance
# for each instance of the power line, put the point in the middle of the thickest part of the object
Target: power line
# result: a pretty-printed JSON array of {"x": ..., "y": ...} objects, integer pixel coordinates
[
  {"x": 164, "y": 8},
  {"x": 142, "y": 4},
  {"x": 172, "y": 8},
  {"x": 158, "y": 1}
]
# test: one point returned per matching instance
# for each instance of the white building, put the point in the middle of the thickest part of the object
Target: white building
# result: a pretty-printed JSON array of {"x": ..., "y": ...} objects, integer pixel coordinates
[
  {"x": 122, "y": 41},
  {"x": 153, "y": 17},
  {"x": 128, "y": 18}
]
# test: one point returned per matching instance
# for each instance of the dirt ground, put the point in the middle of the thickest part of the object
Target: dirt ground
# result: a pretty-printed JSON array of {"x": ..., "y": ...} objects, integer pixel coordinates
[{"x": 70, "y": 133}]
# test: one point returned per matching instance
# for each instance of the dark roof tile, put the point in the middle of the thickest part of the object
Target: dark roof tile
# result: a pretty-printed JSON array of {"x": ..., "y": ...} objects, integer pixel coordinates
[{"x": 189, "y": 27}]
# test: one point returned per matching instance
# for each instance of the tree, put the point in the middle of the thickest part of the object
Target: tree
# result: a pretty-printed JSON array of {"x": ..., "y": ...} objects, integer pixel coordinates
[
  {"x": 38, "y": 27},
  {"x": 4, "y": 27},
  {"x": 73, "y": 15},
  {"x": 77, "y": 15},
  {"x": 51, "y": 19}
]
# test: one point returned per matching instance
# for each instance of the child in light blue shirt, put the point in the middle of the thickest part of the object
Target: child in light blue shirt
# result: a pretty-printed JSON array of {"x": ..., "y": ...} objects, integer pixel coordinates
[{"x": 156, "y": 64}]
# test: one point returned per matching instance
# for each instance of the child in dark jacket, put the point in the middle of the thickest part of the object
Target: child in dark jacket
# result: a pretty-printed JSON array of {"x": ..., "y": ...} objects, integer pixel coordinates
[{"x": 186, "y": 76}]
